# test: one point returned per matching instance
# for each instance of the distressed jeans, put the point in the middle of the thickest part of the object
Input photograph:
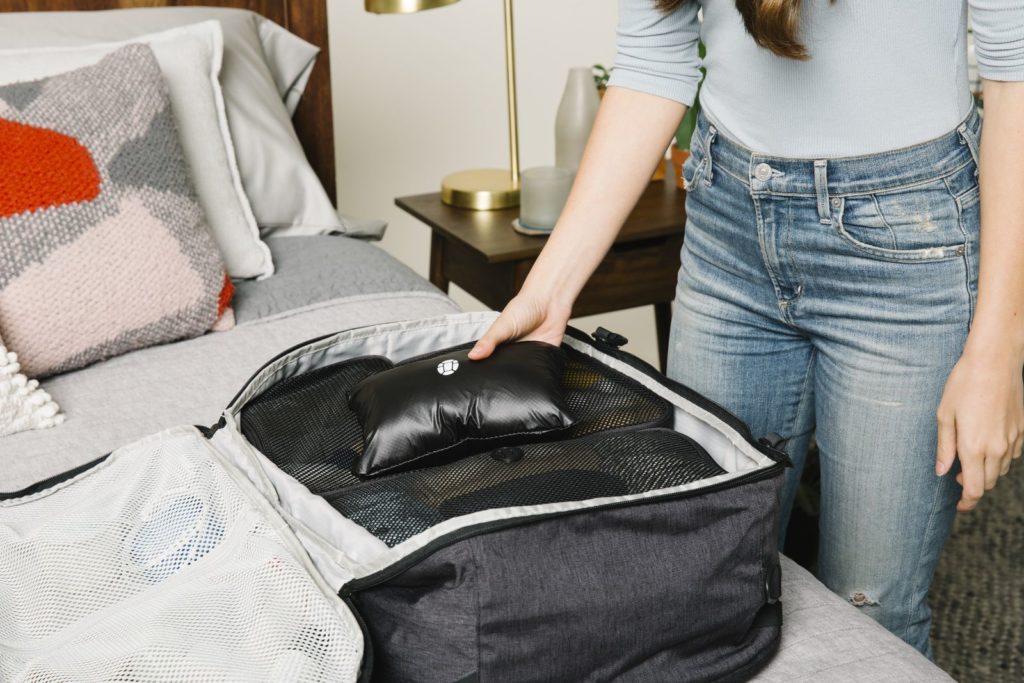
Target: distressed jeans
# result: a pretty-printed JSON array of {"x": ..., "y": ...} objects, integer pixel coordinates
[{"x": 834, "y": 296}]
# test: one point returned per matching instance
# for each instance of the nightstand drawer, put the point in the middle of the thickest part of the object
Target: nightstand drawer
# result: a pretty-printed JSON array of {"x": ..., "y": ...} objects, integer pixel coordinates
[{"x": 633, "y": 274}]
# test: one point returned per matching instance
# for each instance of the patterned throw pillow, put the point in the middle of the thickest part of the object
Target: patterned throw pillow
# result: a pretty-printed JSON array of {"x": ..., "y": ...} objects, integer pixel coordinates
[{"x": 103, "y": 245}]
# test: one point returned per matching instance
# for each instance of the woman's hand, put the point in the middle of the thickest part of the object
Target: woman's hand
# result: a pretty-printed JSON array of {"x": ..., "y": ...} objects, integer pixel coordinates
[
  {"x": 981, "y": 417},
  {"x": 528, "y": 317},
  {"x": 981, "y": 421},
  {"x": 629, "y": 138}
]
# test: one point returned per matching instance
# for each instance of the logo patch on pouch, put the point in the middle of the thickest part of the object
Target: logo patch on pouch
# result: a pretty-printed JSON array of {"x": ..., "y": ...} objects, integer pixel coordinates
[{"x": 447, "y": 367}]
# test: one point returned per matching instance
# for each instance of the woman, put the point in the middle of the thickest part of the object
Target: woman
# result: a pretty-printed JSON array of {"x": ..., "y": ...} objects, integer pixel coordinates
[{"x": 830, "y": 274}]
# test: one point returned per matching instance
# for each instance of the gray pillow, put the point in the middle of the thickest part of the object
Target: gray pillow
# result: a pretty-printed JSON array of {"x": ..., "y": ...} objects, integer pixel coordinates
[{"x": 284, "y": 191}]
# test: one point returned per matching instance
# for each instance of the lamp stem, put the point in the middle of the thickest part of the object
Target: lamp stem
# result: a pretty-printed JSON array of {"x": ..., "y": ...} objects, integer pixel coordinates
[{"x": 513, "y": 116}]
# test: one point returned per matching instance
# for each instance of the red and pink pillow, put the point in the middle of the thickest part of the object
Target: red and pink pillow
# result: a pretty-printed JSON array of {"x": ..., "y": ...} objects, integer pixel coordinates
[{"x": 103, "y": 245}]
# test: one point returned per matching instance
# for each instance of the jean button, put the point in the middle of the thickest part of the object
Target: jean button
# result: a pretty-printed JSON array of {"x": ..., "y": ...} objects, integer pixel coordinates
[{"x": 762, "y": 171}]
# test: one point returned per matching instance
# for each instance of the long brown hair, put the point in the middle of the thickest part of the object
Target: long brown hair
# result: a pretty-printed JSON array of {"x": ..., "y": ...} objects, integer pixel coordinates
[{"x": 774, "y": 24}]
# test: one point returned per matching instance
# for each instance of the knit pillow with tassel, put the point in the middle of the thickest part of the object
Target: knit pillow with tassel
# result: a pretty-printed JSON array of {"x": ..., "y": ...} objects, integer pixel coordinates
[{"x": 103, "y": 245}]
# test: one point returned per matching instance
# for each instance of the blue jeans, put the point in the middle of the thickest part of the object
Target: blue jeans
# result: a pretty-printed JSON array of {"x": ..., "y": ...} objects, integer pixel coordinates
[{"x": 835, "y": 296}]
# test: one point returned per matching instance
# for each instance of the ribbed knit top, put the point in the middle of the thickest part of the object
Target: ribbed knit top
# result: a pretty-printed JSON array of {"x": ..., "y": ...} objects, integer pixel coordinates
[{"x": 883, "y": 74}]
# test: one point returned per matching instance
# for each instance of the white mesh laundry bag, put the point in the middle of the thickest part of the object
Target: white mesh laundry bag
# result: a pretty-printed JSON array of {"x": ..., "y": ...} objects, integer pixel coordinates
[{"x": 158, "y": 565}]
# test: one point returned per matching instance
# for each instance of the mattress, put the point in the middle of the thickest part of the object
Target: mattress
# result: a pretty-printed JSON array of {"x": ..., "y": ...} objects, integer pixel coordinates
[{"x": 323, "y": 284}]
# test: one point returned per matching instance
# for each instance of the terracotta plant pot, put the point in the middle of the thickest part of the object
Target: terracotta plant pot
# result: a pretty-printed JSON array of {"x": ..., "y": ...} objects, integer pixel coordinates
[
  {"x": 661, "y": 170},
  {"x": 679, "y": 157}
]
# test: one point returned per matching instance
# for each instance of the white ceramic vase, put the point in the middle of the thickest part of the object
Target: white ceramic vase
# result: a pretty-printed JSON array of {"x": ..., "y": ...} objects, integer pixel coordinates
[{"x": 575, "y": 119}]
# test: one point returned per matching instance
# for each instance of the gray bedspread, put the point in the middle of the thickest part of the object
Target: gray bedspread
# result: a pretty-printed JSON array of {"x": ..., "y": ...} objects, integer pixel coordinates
[
  {"x": 825, "y": 639},
  {"x": 314, "y": 269}
]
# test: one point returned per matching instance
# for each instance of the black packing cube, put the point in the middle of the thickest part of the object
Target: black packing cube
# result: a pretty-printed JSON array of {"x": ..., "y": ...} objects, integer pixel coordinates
[{"x": 637, "y": 544}]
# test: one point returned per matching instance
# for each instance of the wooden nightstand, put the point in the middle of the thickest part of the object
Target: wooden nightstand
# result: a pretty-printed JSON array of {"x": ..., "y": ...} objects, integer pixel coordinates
[{"x": 479, "y": 251}]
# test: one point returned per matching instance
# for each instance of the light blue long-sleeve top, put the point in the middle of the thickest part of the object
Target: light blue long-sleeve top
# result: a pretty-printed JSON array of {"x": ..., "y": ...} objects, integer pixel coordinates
[{"x": 883, "y": 74}]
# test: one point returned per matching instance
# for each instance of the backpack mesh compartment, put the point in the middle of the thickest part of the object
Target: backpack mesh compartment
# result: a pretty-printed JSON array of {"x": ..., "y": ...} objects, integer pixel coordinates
[
  {"x": 305, "y": 426},
  {"x": 641, "y": 547}
]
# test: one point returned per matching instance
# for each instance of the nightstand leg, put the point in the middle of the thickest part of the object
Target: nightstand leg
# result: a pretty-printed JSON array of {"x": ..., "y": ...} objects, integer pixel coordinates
[
  {"x": 437, "y": 277},
  {"x": 663, "y": 324}
]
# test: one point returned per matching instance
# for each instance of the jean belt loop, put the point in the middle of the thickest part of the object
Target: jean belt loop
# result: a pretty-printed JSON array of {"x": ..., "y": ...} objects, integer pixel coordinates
[
  {"x": 712, "y": 132},
  {"x": 971, "y": 139},
  {"x": 821, "y": 190}
]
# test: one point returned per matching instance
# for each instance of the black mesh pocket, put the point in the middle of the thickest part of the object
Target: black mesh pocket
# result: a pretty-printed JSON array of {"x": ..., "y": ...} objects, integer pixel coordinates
[
  {"x": 396, "y": 507},
  {"x": 603, "y": 399},
  {"x": 304, "y": 425}
]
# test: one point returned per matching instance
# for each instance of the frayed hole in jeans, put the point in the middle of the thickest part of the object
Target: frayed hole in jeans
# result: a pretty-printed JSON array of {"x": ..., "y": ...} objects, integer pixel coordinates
[{"x": 860, "y": 599}]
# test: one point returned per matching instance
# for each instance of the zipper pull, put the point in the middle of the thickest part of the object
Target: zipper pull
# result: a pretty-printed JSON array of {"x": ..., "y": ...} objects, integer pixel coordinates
[
  {"x": 613, "y": 339},
  {"x": 774, "y": 442},
  {"x": 208, "y": 432}
]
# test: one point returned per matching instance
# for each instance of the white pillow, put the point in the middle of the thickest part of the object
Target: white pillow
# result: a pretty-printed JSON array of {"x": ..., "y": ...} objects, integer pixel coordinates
[
  {"x": 290, "y": 58},
  {"x": 190, "y": 60},
  {"x": 264, "y": 66}
]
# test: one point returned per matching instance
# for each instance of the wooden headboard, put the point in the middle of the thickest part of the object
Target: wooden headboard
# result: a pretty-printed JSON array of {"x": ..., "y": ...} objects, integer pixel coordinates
[{"x": 306, "y": 19}]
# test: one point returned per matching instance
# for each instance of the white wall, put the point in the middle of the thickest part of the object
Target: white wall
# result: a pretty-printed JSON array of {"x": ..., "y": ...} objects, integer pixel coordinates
[{"x": 419, "y": 96}]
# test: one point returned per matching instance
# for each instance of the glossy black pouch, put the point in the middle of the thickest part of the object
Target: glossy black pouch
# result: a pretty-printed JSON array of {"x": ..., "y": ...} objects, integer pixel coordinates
[{"x": 445, "y": 406}]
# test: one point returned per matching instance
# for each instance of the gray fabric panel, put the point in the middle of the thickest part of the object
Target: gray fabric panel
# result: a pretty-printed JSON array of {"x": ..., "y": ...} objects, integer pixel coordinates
[
  {"x": 824, "y": 638},
  {"x": 20, "y": 95},
  {"x": 665, "y": 592},
  {"x": 133, "y": 165},
  {"x": 316, "y": 268},
  {"x": 113, "y": 403},
  {"x": 436, "y": 601}
]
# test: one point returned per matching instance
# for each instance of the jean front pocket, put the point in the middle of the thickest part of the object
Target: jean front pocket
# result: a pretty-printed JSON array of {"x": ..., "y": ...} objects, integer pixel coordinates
[
  {"x": 909, "y": 225},
  {"x": 694, "y": 170}
]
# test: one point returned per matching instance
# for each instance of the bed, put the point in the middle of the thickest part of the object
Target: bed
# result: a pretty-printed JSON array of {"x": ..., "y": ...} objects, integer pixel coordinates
[{"x": 325, "y": 283}]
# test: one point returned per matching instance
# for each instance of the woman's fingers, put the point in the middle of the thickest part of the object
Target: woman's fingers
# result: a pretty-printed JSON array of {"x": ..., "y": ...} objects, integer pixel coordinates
[
  {"x": 971, "y": 478},
  {"x": 503, "y": 329},
  {"x": 993, "y": 465},
  {"x": 946, "y": 451}
]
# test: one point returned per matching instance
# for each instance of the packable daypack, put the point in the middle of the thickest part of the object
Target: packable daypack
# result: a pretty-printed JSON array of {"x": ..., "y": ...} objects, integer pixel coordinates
[{"x": 640, "y": 545}]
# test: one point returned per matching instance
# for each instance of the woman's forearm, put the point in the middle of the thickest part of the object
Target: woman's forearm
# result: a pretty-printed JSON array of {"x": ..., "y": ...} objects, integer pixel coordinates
[
  {"x": 998, "y": 328},
  {"x": 629, "y": 139}
]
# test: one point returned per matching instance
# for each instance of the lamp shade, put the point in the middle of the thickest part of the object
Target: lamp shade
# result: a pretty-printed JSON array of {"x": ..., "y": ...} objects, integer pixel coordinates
[{"x": 404, "y": 6}]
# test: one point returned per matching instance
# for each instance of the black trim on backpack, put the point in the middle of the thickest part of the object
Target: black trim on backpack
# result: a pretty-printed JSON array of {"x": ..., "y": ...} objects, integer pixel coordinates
[{"x": 50, "y": 482}]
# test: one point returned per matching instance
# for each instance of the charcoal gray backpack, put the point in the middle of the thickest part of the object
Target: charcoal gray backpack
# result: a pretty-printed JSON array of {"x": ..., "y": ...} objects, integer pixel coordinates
[{"x": 639, "y": 545}]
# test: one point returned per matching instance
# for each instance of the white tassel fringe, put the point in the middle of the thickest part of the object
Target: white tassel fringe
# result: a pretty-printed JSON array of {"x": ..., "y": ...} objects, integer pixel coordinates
[{"x": 23, "y": 404}]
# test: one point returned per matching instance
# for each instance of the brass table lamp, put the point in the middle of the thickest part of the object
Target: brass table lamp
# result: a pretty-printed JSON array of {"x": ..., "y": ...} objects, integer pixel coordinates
[{"x": 479, "y": 189}]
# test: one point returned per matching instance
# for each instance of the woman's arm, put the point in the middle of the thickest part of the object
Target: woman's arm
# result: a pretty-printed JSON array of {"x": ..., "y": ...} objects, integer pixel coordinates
[
  {"x": 981, "y": 416},
  {"x": 630, "y": 136},
  {"x": 657, "y": 68}
]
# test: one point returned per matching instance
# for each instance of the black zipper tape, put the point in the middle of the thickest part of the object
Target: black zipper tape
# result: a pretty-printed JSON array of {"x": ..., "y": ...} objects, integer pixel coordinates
[
  {"x": 50, "y": 482},
  {"x": 366, "y": 666}
]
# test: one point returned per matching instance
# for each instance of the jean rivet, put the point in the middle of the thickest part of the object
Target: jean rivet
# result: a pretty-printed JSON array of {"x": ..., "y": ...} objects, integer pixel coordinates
[{"x": 836, "y": 201}]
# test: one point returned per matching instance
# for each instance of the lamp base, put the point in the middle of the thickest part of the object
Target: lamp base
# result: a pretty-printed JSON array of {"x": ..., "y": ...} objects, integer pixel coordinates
[{"x": 480, "y": 190}]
